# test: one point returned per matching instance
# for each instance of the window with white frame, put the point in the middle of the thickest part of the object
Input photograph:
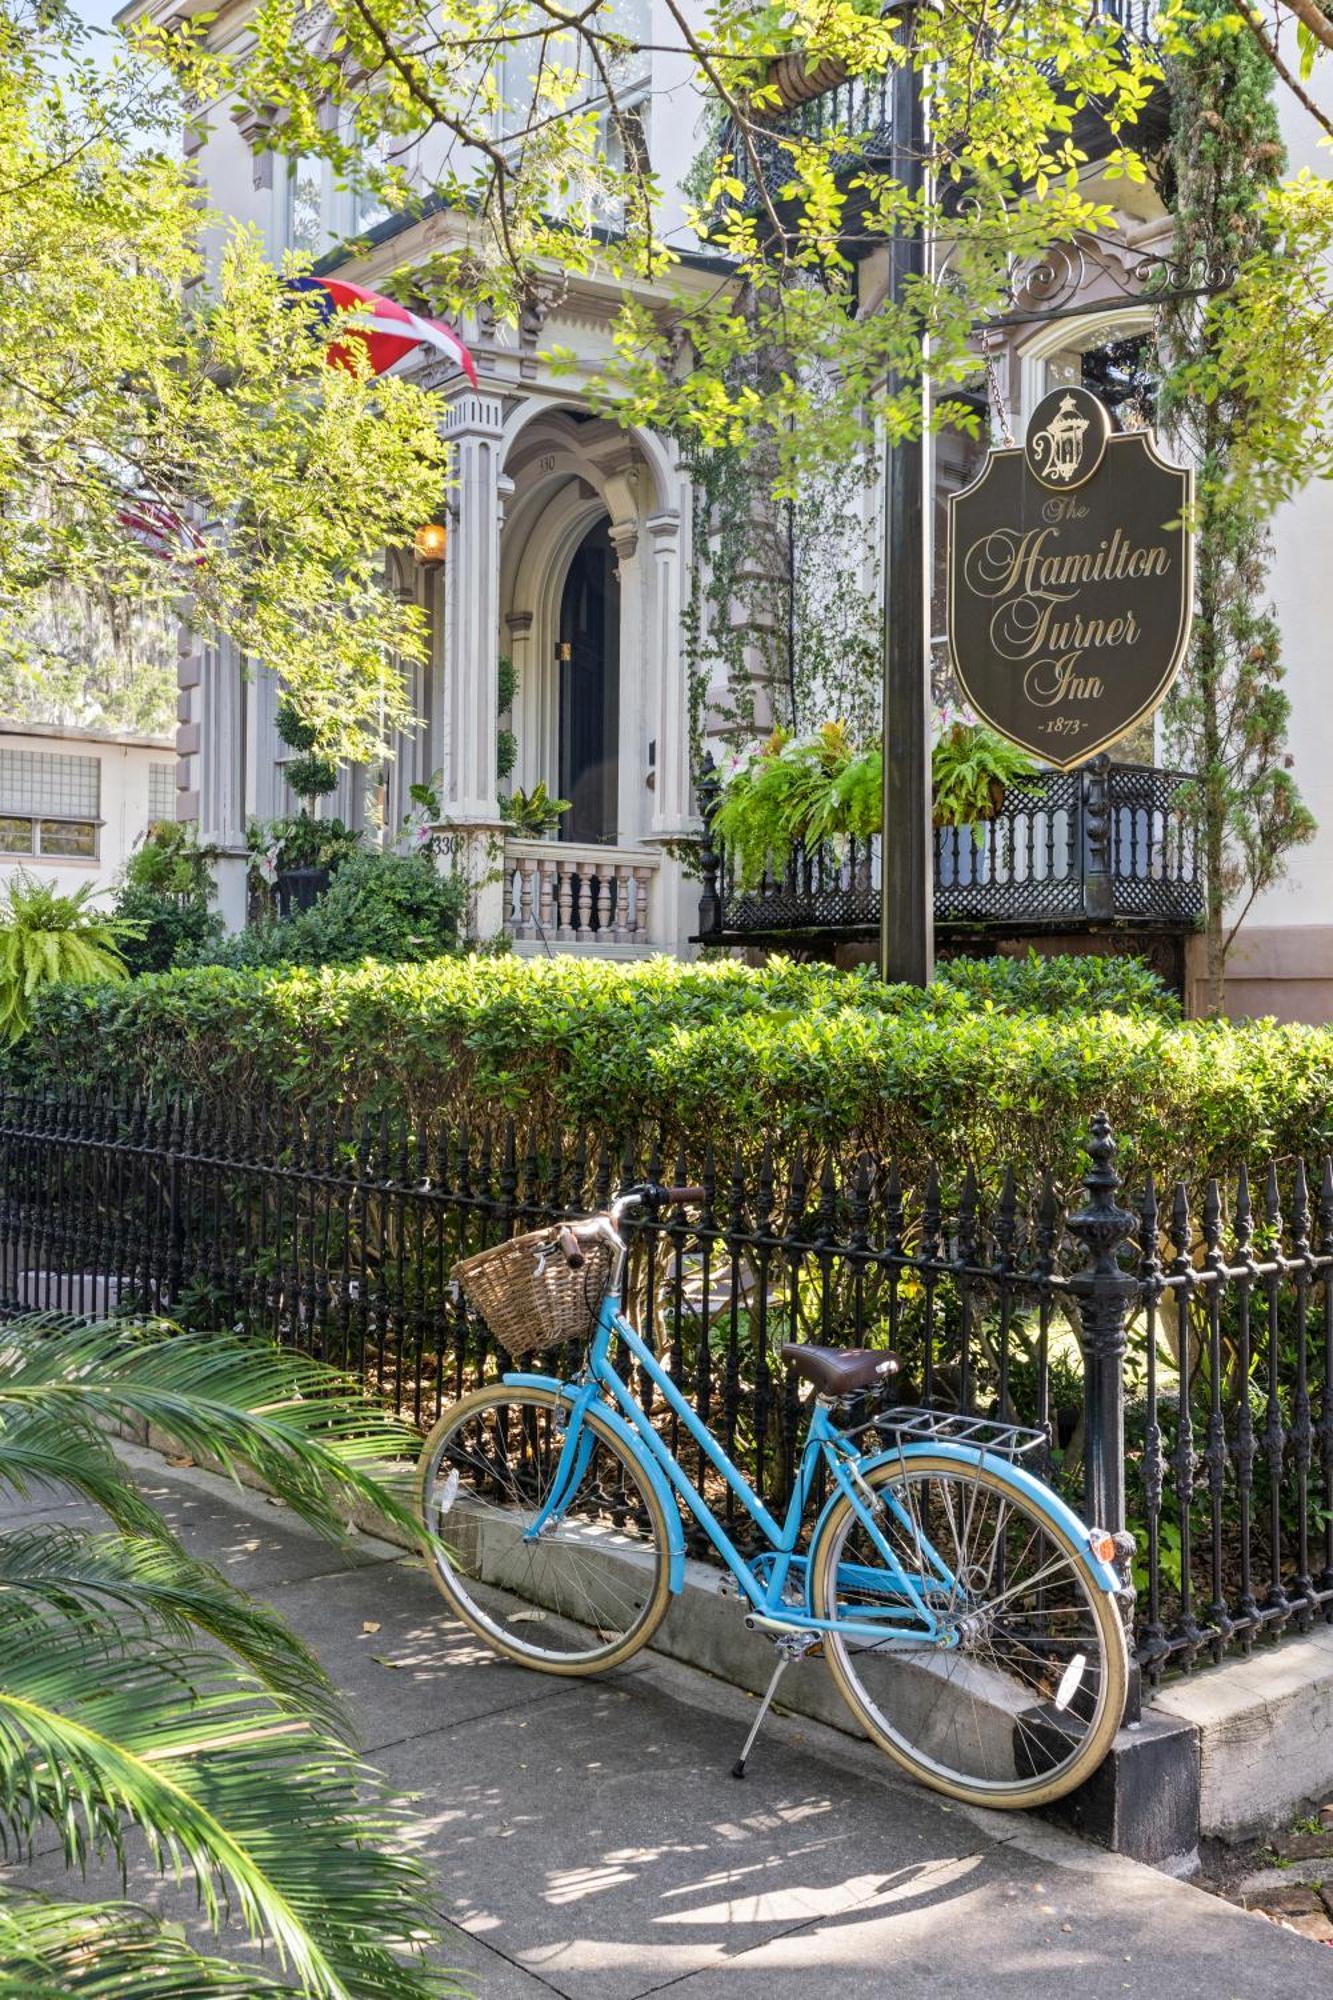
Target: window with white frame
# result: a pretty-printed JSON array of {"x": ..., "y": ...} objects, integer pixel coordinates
[
  {"x": 161, "y": 792},
  {"x": 1113, "y": 358},
  {"x": 50, "y": 805},
  {"x": 304, "y": 222},
  {"x": 521, "y": 64}
]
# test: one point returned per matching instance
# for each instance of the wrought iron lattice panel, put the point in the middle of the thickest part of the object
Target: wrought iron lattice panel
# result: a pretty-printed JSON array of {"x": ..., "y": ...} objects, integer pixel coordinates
[{"x": 1067, "y": 849}]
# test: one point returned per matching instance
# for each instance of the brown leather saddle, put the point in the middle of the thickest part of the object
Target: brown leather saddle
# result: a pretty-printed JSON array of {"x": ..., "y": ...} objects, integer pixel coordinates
[{"x": 842, "y": 1371}]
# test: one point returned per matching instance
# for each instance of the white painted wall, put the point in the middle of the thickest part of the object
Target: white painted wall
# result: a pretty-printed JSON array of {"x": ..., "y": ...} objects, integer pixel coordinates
[{"x": 125, "y": 762}]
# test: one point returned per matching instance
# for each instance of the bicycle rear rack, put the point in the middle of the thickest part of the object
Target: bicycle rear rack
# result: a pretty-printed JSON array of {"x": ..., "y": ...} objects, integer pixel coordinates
[{"x": 985, "y": 1434}]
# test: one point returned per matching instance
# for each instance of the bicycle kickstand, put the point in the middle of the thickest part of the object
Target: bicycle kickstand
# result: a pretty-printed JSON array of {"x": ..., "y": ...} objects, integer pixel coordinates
[{"x": 791, "y": 1646}]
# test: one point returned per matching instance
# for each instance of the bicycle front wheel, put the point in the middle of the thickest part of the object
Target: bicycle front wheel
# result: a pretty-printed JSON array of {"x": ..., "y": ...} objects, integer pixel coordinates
[
  {"x": 590, "y": 1588},
  {"x": 1021, "y": 1703}
]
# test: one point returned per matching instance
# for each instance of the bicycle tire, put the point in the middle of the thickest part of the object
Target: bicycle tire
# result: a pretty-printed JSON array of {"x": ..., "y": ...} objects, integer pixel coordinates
[
  {"x": 1010, "y": 1724},
  {"x": 609, "y": 1563}
]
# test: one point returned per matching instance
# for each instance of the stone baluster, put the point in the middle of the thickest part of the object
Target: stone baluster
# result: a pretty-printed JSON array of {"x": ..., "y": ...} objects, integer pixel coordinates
[
  {"x": 527, "y": 869},
  {"x": 606, "y": 899},
  {"x": 546, "y": 895},
  {"x": 643, "y": 878},
  {"x": 624, "y": 919},
  {"x": 565, "y": 897},
  {"x": 587, "y": 900}
]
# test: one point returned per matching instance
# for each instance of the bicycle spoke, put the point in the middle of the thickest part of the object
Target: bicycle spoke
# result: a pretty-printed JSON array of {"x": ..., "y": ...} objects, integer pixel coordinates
[{"x": 1016, "y": 1685}]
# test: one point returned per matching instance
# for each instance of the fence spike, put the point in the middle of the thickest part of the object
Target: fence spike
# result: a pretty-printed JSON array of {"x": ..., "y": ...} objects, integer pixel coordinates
[{"x": 1300, "y": 1210}]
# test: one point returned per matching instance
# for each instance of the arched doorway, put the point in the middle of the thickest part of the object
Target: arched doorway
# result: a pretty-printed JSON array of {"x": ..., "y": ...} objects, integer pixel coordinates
[{"x": 590, "y": 690}]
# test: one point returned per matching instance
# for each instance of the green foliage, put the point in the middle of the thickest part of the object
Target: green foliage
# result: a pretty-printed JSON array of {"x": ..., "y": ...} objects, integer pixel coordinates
[
  {"x": 293, "y": 729},
  {"x": 534, "y": 814},
  {"x": 312, "y": 775},
  {"x": 971, "y": 768},
  {"x": 1227, "y": 715},
  {"x": 301, "y": 841},
  {"x": 991, "y": 1064},
  {"x": 1067, "y": 983},
  {"x": 812, "y": 789},
  {"x": 383, "y": 906},
  {"x": 774, "y": 206},
  {"x": 164, "y": 898},
  {"x": 48, "y": 939},
  {"x": 141, "y": 370},
  {"x": 139, "y": 1689}
]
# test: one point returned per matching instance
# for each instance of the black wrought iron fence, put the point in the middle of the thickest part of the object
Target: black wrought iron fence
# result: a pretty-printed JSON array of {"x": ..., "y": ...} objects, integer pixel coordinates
[{"x": 1180, "y": 1365}]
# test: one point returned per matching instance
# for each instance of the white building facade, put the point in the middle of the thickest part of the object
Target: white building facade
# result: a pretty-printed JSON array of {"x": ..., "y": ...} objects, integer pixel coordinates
[
  {"x": 74, "y": 803},
  {"x": 570, "y": 553}
]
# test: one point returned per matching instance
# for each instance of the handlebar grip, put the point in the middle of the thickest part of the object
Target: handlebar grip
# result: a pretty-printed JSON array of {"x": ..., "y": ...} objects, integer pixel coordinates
[
  {"x": 571, "y": 1249},
  {"x": 670, "y": 1196}
]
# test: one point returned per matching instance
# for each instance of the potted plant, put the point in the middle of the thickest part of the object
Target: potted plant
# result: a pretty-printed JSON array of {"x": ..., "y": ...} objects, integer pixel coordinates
[
  {"x": 533, "y": 815},
  {"x": 971, "y": 769},
  {"x": 307, "y": 849}
]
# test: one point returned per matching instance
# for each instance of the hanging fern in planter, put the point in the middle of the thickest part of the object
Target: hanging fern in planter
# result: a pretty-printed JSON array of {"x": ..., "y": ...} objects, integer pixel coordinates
[{"x": 820, "y": 789}]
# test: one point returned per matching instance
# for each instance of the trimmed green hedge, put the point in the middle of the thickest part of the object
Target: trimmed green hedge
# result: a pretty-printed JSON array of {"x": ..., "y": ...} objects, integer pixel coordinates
[{"x": 722, "y": 1054}]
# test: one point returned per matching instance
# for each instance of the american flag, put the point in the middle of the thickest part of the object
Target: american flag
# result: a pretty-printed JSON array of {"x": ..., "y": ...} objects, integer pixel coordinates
[{"x": 389, "y": 330}]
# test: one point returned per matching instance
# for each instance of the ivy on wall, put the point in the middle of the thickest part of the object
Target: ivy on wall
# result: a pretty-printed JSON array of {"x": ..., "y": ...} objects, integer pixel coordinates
[
  {"x": 782, "y": 623},
  {"x": 1227, "y": 716}
]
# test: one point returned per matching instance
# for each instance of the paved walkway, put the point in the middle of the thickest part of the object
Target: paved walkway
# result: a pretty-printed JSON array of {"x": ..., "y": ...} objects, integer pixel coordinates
[{"x": 589, "y": 1842}]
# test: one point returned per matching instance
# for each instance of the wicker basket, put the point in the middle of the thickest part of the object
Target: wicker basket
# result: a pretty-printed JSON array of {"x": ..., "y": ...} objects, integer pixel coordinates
[{"x": 525, "y": 1310}]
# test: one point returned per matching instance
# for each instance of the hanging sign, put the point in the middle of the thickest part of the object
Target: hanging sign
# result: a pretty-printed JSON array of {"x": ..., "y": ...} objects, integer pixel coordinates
[{"x": 1071, "y": 581}]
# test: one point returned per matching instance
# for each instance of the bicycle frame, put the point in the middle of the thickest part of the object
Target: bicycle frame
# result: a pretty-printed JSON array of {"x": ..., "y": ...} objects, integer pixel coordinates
[{"x": 769, "y": 1581}]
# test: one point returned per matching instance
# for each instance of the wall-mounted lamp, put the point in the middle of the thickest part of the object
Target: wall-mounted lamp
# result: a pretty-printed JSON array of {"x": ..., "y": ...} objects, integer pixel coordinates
[
  {"x": 430, "y": 544},
  {"x": 564, "y": 651}
]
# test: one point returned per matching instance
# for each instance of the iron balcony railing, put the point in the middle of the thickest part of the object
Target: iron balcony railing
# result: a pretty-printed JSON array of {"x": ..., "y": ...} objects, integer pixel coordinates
[
  {"x": 857, "y": 109},
  {"x": 1107, "y": 845}
]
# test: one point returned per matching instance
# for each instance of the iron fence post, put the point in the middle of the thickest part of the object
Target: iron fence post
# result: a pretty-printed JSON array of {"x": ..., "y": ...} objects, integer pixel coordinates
[
  {"x": 1098, "y": 884},
  {"x": 1106, "y": 1294}
]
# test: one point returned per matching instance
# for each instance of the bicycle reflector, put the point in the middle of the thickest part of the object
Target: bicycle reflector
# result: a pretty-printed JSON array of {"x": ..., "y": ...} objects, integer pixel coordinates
[{"x": 1102, "y": 1545}]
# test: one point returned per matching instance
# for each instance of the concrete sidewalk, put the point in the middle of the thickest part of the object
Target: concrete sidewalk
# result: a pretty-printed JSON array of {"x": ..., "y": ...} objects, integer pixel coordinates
[{"x": 589, "y": 1842}]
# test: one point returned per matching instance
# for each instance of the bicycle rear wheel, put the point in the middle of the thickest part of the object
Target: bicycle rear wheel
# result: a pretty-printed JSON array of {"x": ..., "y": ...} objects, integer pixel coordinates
[
  {"x": 1024, "y": 1705},
  {"x": 592, "y": 1587}
]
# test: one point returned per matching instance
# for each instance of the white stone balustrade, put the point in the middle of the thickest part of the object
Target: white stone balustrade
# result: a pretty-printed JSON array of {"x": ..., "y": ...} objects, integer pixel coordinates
[{"x": 575, "y": 897}]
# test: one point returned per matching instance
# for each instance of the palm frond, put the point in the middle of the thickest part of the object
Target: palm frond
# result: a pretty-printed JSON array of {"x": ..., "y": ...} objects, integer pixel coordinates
[
  {"x": 110, "y": 1951},
  {"x": 110, "y": 1578},
  {"x": 281, "y": 1827},
  {"x": 66, "y": 1452},
  {"x": 309, "y": 1433}
]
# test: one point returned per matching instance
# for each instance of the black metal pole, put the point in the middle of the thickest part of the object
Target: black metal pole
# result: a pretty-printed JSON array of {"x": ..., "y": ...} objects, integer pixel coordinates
[{"x": 907, "y": 886}]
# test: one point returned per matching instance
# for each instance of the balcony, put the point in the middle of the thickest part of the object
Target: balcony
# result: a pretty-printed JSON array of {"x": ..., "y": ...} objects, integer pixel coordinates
[
  {"x": 569, "y": 896},
  {"x": 1099, "y": 850},
  {"x": 823, "y": 105}
]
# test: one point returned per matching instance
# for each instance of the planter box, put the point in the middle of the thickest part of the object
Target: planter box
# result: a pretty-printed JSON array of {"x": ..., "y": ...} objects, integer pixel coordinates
[{"x": 299, "y": 888}]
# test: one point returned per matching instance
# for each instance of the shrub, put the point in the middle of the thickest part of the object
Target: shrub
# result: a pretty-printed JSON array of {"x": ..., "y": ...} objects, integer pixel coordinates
[
  {"x": 164, "y": 894},
  {"x": 720, "y": 1055},
  {"x": 383, "y": 906}
]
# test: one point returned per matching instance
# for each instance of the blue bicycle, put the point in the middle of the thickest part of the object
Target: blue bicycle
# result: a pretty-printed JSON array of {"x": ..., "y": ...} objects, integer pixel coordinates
[{"x": 970, "y": 1619}]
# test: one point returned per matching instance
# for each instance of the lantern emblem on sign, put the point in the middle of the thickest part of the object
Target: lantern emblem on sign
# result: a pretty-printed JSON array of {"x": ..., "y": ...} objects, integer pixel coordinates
[{"x": 1066, "y": 438}]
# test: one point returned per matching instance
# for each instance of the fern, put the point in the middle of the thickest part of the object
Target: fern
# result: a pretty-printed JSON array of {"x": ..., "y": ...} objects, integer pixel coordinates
[{"x": 50, "y": 939}]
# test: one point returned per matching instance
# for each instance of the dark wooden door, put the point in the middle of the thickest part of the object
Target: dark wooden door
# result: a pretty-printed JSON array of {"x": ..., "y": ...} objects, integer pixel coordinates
[{"x": 590, "y": 690}]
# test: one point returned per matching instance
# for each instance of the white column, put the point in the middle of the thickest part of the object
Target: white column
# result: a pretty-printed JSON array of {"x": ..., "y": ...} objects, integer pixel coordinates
[
  {"x": 470, "y": 679},
  {"x": 472, "y": 610},
  {"x": 210, "y": 746},
  {"x": 633, "y": 803},
  {"x": 669, "y": 714}
]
